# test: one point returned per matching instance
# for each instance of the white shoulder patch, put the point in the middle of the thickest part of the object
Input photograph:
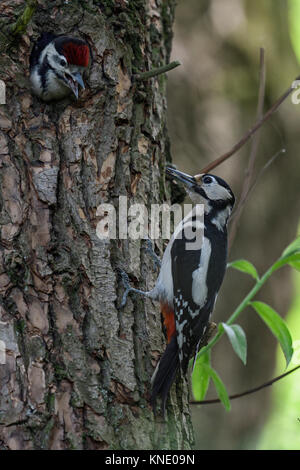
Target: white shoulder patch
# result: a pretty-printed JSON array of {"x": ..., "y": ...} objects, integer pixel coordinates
[
  {"x": 199, "y": 286},
  {"x": 221, "y": 218}
]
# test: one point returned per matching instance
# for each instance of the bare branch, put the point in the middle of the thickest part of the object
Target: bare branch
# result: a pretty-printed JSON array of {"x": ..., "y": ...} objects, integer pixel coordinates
[
  {"x": 262, "y": 171},
  {"x": 253, "y": 152},
  {"x": 251, "y": 132},
  {"x": 248, "y": 392},
  {"x": 157, "y": 71}
]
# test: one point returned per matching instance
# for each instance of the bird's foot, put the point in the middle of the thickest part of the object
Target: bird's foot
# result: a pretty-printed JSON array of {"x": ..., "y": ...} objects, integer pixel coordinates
[
  {"x": 128, "y": 288},
  {"x": 149, "y": 249}
]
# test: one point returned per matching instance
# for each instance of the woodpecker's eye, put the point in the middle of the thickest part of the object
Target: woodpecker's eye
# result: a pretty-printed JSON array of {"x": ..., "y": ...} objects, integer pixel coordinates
[
  {"x": 63, "y": 62},
  {"x": 207, "y": 180}
]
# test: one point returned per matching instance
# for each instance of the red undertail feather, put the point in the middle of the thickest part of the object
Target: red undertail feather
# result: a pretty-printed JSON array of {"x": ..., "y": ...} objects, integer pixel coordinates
[
  {"x": 169, "y": 320},
  {"x": 77, "y": 54}
]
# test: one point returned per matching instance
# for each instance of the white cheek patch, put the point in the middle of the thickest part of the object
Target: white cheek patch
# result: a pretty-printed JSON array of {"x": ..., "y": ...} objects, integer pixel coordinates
[{"x": 214, "y": 191}]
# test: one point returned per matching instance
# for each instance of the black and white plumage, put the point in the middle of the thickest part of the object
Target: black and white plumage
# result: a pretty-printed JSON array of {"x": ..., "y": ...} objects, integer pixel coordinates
[
  {"x": 190, "y": 277},
  {"x": 56, "y": 66}
]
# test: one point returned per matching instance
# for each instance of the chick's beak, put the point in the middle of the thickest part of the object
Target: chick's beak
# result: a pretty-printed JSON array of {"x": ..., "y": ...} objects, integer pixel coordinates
[
  {"x": 73, "y": 80},
  {"x": 187, "y": 180},
  {"x": 79, "y": 80}
]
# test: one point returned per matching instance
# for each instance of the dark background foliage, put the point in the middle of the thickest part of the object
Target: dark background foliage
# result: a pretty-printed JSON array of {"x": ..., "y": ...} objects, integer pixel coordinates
[{"x": 212, "y": 101}]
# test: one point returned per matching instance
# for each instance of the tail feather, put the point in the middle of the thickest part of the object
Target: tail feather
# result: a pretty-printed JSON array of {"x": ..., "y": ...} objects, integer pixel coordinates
[{"x": 165, "y": 374}]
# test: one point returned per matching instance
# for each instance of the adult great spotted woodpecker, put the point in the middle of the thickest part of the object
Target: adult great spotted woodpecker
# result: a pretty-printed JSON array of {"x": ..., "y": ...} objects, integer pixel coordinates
[
  {"x": 190, "y": 276},
  {"x": 57, "y": 64}
]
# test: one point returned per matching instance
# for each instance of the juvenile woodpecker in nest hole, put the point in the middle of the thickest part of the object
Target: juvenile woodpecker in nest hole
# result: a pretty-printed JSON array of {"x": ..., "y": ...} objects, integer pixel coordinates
[
  {"x": 190, "y": 276},
  {"x": 56, "y": 66}
]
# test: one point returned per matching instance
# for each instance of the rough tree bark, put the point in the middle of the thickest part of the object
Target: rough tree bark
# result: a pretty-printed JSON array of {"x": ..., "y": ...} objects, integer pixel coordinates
[{"x": 77, "y": 371}]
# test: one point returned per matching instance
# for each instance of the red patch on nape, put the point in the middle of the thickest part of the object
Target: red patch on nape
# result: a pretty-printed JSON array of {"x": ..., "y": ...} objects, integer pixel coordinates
[
  {"x": 76, "y": 54},
  {"x": 169, "y": 320}
]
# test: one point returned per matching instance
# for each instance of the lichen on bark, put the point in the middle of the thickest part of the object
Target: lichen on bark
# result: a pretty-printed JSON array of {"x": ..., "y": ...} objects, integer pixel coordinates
[{"x": 78, "y": 370}]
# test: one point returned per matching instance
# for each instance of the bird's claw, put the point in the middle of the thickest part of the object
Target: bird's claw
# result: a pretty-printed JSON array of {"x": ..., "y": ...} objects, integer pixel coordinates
[
  {"x": 150, "y": 250},
  {"x": 126, "y": 285}
]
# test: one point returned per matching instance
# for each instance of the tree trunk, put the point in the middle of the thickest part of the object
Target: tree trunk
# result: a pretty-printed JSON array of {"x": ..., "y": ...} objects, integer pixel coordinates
[{"x": 76, "y": 371}]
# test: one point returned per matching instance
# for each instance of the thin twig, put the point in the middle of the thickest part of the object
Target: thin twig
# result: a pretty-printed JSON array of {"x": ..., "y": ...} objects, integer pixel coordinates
[
  {"x": 157, "y": 71},
  {"x": 253, "y": 152},
  {"x": 250, "y": 133},
  {"x": 259, "y": 176},
  {"x": 262, "y": 171},
  {"x": 248, "y": 392}
]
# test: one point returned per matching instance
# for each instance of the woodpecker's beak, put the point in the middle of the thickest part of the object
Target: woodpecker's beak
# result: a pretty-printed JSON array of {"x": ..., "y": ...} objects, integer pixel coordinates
[
  {"x": 187, "y": 180},
  {"x": 73, "y": 80}
]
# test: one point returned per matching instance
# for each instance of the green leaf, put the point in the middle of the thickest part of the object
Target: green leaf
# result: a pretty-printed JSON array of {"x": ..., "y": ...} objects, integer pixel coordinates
[
  {"x": 292, "y": 259},
  {"x": 291, "y": 256},
  {"x": 201, "y": 376},
  {"x": 238, "y": 340},
  {"x": 294, "y": 25},
  {"x": 295, "y": 264},
  {"x": 292, "y": 248},
  {"x": 278, "y": 327},
  {"x": 221, "y": 389},
  {"x": 244, "y": 266}
]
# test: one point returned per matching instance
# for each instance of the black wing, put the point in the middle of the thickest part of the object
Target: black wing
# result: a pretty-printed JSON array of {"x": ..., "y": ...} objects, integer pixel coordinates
[{"x": 190, "y": 318}]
